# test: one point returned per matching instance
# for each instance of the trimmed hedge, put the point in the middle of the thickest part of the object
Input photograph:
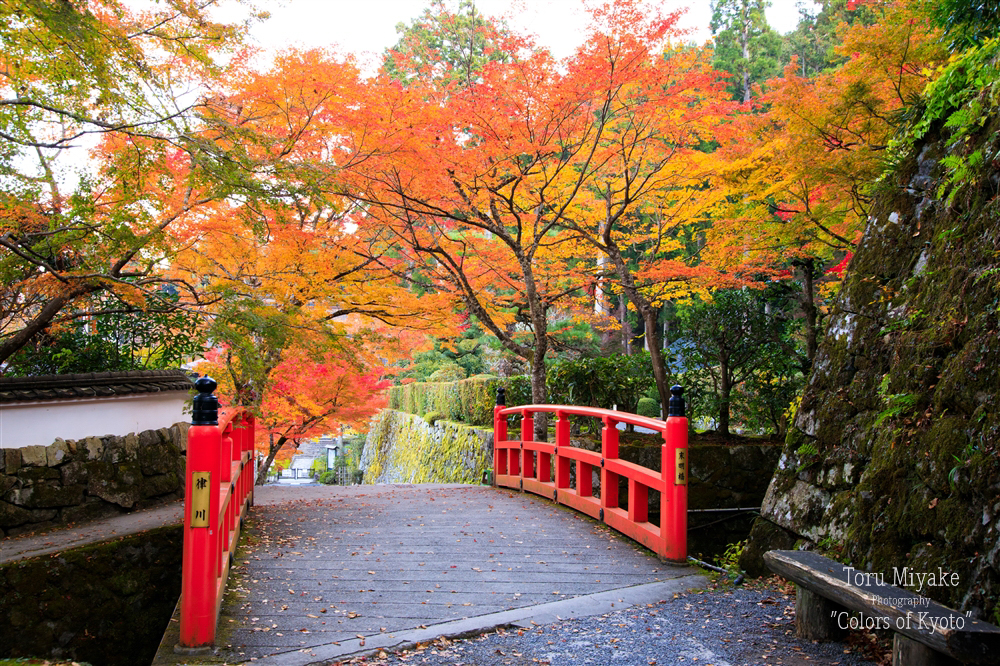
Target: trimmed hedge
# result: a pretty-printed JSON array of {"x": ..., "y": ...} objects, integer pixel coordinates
[{"x": 468, "y": 401}]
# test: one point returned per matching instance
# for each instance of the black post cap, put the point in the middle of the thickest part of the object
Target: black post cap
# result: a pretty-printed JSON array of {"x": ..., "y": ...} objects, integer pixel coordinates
[
  {"x": 501, "y": 397},
  {"x": 676, "y": 407},
  {"x": 206, "y": 405}
]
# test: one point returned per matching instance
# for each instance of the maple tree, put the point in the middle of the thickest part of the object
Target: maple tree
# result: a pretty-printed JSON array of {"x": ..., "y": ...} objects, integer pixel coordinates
[
  {"x": 307, "y": 396},
  {"x": 656, "y": 112},
  {"x": 300, "y": 279},
  {"x": 795, "y": 188},
  {"x": 496, "y": 190},
  {"x": 470, "y": 183},
  {"x": 103, "y": 76}
]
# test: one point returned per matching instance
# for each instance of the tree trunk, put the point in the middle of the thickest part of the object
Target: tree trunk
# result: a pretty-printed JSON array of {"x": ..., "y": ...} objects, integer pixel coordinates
[
  {"x": 266, "y": 465},
  {"x": 725, "y": 389},
  {"x": 539, "y": 395},
  {"x": 623, "y": 319},
  {"x": 36, "y": 324},
  {"x": 809, "y": 308},
  {"x": 660, "y": 375}
]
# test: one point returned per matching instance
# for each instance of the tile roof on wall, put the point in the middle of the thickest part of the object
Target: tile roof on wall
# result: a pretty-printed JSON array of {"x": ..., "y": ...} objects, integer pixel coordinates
[{"x": 92, "y": 385}]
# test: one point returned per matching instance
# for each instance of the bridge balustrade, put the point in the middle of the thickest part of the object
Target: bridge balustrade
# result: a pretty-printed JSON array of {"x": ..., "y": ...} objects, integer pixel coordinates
[
  {"x": 219, "y": 491},
  {"x": 526, "y": 464}
]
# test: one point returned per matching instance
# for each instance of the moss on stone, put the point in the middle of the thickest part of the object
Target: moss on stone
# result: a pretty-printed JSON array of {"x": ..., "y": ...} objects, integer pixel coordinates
[
  {"x": 404, "y": 448},
  {"x": 902, "y": 405}
]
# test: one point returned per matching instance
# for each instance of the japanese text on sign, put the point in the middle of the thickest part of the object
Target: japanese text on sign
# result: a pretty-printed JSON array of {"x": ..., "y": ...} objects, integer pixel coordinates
[
  {"x": 680, "y": 468},
  {"x": 201, "y": 492}
]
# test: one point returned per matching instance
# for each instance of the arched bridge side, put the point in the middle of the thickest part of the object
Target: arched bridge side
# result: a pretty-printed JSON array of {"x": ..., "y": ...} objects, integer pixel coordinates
[{"x": 526, "y": 464}]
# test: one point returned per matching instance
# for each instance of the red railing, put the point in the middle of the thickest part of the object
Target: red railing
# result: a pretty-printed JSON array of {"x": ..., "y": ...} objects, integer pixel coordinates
[
  {"x": 528, "y": 465},
  {"x": 219, "y": 490}
]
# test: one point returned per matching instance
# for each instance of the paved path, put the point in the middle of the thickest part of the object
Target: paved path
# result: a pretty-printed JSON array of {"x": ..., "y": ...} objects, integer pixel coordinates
[
  {"x": 62, "y": 538},
  {"x": 328, "y": 571}
]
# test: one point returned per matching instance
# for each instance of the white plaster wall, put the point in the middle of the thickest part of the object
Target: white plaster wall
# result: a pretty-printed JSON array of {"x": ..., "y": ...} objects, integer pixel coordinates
[{"x": 40, "y": 423}]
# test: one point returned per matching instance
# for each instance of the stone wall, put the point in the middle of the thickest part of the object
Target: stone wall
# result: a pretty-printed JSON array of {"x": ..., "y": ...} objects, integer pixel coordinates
[
  {"x": 894, "y": 457},
  {"x": 107, "y": 604},
  {"x": 404, "y": 448},
  {"x": 71, "y": 481}
]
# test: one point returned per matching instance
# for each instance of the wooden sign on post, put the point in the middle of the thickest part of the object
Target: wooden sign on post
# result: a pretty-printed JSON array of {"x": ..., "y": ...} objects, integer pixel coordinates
[
  {"x": 201, "y": 492},
  {"x": 681, "y": 468}
]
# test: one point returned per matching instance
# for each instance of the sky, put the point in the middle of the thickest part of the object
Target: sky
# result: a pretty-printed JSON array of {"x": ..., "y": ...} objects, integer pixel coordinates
[{"x": 367, "y": 27}]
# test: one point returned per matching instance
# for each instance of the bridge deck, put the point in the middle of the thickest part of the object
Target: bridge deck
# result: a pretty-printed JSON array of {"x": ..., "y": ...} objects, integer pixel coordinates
[{"x": 328, "y": 565}]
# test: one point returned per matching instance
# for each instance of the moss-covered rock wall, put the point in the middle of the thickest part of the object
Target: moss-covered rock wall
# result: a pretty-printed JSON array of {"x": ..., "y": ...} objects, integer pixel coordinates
[
  {"x": 893, "y": 458},
  {"x": 107, "y": 604},
  {"x": 71, "y": 481},
  {"x": 405, "y": 448}
]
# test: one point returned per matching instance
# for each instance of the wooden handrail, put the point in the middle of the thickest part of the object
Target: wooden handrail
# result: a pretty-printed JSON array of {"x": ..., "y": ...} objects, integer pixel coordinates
[{"x": 529, "y": 465}]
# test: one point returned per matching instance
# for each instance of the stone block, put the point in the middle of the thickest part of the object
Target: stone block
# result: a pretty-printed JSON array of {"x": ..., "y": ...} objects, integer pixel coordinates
[
  {"x": 179, "y": 435},
  {"x": 74, "y": 472},
  {"x": 31, "y": 476},
  {"x": 161, "y": 484},
  {"x": 160, "y": 458},
  {"x": 12, "y": 458},
  {"x": 33, "y": 456},
  {"x": 56, "y": 453},
  {"x": 95, "y": 448},
  {"x": 131, "y": 442},
  {"x": 12, "y": 516},
  {"x": 114, "y": 449},
  {"x": 6, "y": 483},
  {"x": 91, "y": 510},
  {"x": 147, "y": 439},
  {"x": 48, "y": 496},
  {"x": 116, "y": 484}
]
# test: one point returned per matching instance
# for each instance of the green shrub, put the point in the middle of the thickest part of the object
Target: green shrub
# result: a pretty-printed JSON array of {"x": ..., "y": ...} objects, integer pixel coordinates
[
  {"x": 469, "y": 401},
  {"x": 433, "y": 417},
  {"x": 648, "y": 407},
  {"x": 452, "y": 372},
  {"x": 602, "y": 381},
  {"x": 328, "y": 477}
]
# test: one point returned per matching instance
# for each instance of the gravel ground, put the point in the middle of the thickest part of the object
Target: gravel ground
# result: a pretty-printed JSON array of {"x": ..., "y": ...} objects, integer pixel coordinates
[{"x": 723, "y": 626}]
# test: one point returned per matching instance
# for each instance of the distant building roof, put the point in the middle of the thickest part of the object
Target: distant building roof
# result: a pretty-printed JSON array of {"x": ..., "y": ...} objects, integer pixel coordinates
[{"x": 92, "y": 385}]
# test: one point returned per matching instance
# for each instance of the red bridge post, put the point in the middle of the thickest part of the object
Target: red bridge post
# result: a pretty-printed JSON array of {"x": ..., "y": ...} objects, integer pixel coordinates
[
  {"x": 218, "y": 492},
  {"x": 200, "y": 555},
  {"x": 499, "y": 435},
  {"x": 674, "y": 503}
]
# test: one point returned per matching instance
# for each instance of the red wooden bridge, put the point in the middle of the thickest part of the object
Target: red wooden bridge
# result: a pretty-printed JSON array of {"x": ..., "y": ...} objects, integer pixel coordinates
[{"x": 480, "y": 529}]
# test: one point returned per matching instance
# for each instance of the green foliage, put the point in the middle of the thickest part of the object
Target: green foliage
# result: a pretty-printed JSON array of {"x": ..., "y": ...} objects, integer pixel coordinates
[
  {"x": 967, "y": 22},
  {"x": 450, "y": 46},
  {"x": 450, "y": 372},
  {"x": 738, "y": 358},
  {"x": 458, "y": 357},
  {"x": 433, "y": 417},
  {"x": 764, "y": 400},
  {"x": 620, "y": 380},
  {"x": 401, "y": 448},
  {"x": 648, "y": 407},
  {"x": 964, "y": 98},
  {"x": 131, "y": 339},
  {"x": 468, "y": 401},
  {"x": 730, "y": 559},
  {"x": 328, "y": 477},
  {"x": 745, "y": 46}
]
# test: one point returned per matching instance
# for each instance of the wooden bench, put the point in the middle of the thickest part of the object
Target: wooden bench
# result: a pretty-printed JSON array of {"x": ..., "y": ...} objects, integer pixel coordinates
[{"x": 926, "y": 633}]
